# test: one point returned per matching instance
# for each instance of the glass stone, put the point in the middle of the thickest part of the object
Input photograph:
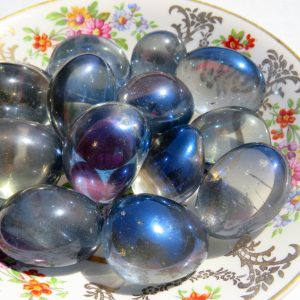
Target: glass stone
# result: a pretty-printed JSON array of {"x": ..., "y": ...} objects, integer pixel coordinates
[
  {"x": 30, "y": 154},
  {"x": 157, "y": 51},
  {"x": 219, "y": 77},
  {"x": 243, "y": 191},
  {"x": 50, "y": 226},
  {"x": 165, "y": 100},
  {"x": 84, "y": 81},
  {"x": 150, "y": 239},
  {"x": 23, "y": 93},
  {"x": 226, "y": 128},
  {"x": 112, "y": 54},
  {"x": 105, "y": 150},
  {"x": 175, "y": 164}
]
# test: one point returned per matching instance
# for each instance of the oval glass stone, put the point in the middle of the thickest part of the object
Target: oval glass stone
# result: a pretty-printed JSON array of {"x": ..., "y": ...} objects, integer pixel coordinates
[
  {"x": 219, "y": 77},
  {"x": 50, "y": 226},
  {"x": 175, "y": 164},
  {"x": 106, "y": 49},
  {"x": 23, "y": 92},
  {"x": 165, "y": 100},
  {"x": 150, "y": 239},
  {"x": 30, "y": 155},
  {"x": 157, "y": 51},
  {"x": 226, "y": 128},
  {"x": 84, "y": 81},
  {"x": 105, "y": 150},
  {"x": 243, "y": 191}
]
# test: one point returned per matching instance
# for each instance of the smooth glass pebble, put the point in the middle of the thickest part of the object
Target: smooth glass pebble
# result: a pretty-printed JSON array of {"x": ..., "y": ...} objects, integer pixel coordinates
[
  {"x": 157, "y": 51},
  {"x": 219, "y": 77},
  {"x": 105, "y": 150},
  {"x": 226, "y": 128},
  {"x": 50, "y": 226},
  {"x": 150, "y": 239},
  {"x": 84, "y": 81},
  {"x": 165, "y": 100},
  {"x": 112, "y": 54},
  {"x": 243, "y": 191},
  {"x": 23, "y": 92},
  {"x": 30, "y": 154},
  {"x": 175, "y": 164}
]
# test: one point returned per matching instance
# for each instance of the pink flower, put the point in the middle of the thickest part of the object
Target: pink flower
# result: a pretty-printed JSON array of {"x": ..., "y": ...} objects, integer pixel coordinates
[
  {"x": 295, "y": 169},
  {"x": 97, "y": 27},
  {"x": 71, "y": 32}
]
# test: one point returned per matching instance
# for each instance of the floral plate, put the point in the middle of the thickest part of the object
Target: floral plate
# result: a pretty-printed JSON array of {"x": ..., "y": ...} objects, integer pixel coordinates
[{"x": 263, "y": 266}]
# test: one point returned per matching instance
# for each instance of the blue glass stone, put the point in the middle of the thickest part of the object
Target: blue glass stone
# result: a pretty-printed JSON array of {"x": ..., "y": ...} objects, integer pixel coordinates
[
  {"x": 165, "y": 100},
  {"x": 105, "y": 150},
  {"x": 50, "y": 226},
  {"x": 106, "y": 49},
  {"x": 31, "y": 154},
  {"x": 175, "y": 164},
  {"x": 82, "y": 82},
  {"x": 23, "y": 92},
  {"x": 157, "y": 51},
  {"x": 150, "y": 239},
  {"x": 243, "y": 191},
  {"x": 226, "y": 128},
  {"x": 219, "y": 77}
]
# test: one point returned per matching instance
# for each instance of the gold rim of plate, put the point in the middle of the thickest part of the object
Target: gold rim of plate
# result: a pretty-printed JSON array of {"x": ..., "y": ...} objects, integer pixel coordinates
[{"x": 97, "y": 259}]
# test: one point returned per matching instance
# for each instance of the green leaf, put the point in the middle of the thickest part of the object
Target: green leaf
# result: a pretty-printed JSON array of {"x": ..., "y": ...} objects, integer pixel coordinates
[
  {"x": 138, "y": 36},
  {"x": 25, "y": 295},
  {"x": 138, "y": 14},
  {"x": 53, "y": 280},
  {"x": 274, "y": 233},
  {"x": 233, "y": 33},
  {"x": 67, "y": 185},
  {"x": 276, "y": 105},
  {"x": 289, "y": 135},
  {"x": 269, "y": 123},
  {"x": 290, "y": 103},
  {"x": 122, "y": 43},
  {"x": 16, "y": 280},
  {"x": 280, "y": 230},
  {"x": 217, "y": 290},
  {"x": 153, "y": 26},
  {"x": 61, "y": 22},
  {"x": 222, "y": 38},
  {"x": 92, "y": 9},
  {"x": 216, "y": 42},
  {"x": 297, "y": 215},
  {"x": 28, "y": 30},
  {"x": 208, "y": 288},
  {"x": 27, "y": 38},
  {"x": 54, "y": 16},
  {"x": 113, "y": 34},
  {"x": 64, "y": 9},
  {"x": 43, "y": 298},
  {"x": 215, "y": 297},
  {"x": 240, "y": 35},
  {"x": 295, "y": 127},
  {"x": 62, "y": 294},
  {"x": 298, "y": 103},
  {"x": 103, "y": 16}
]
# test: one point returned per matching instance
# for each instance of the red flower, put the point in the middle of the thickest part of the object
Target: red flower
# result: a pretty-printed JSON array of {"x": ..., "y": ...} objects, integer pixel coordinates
[
  {"x": 196, "y": 296},
  {"x": 36, "y": 288},
  {"x": 250, "y": 42},
  {"x": 277, "y": 134},
  {"x": 33, "y": 272},
  {"x": 41, "y": 42},
  {"x": 232, "y": 43},
  {"x": 286, "y": 117}
]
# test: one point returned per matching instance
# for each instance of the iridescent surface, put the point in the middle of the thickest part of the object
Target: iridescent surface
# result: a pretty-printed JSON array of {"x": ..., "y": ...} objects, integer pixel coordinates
[
  {"x": 157, "y": 51},
  {"x": 219, "y": 77},
  {"x": 30, "y": 155},
  {"x": 226, "y": 128},
  {"x": 23, "y": 93},
  {"x": 84, "y": 81},
  {"x": 243, "y": 191},
  {"x": 165, "y": 100},
  {"x": 105, "y": 150},
  {"x": 175, "y": 164},
  {"x": 150, "y": 239},
  {"x": 50, "y": 226},
  {"x": 102, "y": 47}
]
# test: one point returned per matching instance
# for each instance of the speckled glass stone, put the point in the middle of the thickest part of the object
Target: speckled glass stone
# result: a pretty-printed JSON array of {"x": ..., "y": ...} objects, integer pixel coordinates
[
  {"x": 164, "y": 99},
  {"x": 243, "y": 191},
  {"x": 226, "y": 128},
  {"x": 149, "y": 239},
  {"x": 106, "y": 148},
  {"x": 219, "y": 77},
  {"x": 157, "y": 51}
]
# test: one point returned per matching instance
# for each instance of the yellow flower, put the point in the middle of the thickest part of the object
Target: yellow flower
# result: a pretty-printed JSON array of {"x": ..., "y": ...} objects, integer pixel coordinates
[{"x": 77, "y": 17}]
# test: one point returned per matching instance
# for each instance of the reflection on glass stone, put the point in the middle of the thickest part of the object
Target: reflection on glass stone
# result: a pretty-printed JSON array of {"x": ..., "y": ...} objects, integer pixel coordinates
[
  {"x": 226, "y": 128},
  {"x": 219, "y": 77},
  {"x": 113, "y": 55},
  {"x": 50, "y": 226},
  {"x": 175, "y": 164},
  {"x": 30, "y": 155},
  {"x": 84, "y": 81},
  {"x": 157, "y": 51},
  {"x": 150, "y": 239},
  {"x": 105, "y": 150},
  {"x": 164, "y": 99},
  {"x": 243, "y": 191},
  {"x": 23, "y": 93}
]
